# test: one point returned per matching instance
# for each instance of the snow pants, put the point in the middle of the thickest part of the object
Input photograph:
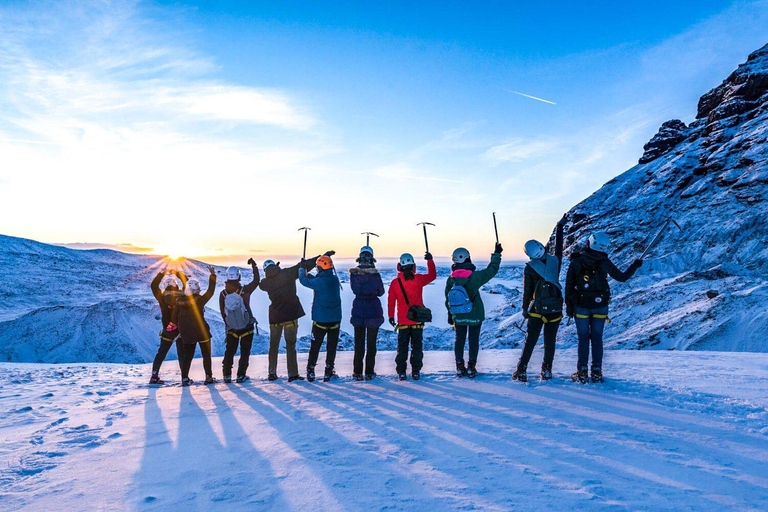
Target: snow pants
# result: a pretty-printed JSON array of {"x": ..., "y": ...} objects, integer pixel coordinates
[
  {"x": 188, "y": 349},
  {"x": 590, "y": 324},
  {"x": 319, "y": 331},
  {"x": 474, "y": 342},
  {"x": 275, "y": 333},
  {"x": 234, "y": 339},
  {"x": 535, "y": 326},
  {"x": 365, "y": 337},
  {"x": 162, "y": 352},
  {"x": 412, "y": 335}
]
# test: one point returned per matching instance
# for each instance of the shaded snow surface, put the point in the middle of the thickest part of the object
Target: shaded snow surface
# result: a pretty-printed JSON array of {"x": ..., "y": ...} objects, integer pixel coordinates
[{"x": 666, "y": 431}]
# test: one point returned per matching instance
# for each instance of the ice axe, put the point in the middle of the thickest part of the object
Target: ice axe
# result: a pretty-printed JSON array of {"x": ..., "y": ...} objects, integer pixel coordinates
[
  {"x": 305, "y": 229},
  {"x": 658, "y": 236},
  {"x": 495, "y": 228},
  {"x": 368, "y": 237},
  {"x": 424, "y": 225}
]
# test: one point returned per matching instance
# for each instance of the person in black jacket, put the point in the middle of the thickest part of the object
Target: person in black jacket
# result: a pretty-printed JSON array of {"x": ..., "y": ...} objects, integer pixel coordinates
[
  {"x": 235, "y": 307},
  {"x": 542, "y": 302},
  {"x": 174, "y": 282},
  {"x": 587, "y": 295},
  {"x": 188, "y": 317},
  {"x": 367, "y": 313},
  {"x": 284, "y": 313}
]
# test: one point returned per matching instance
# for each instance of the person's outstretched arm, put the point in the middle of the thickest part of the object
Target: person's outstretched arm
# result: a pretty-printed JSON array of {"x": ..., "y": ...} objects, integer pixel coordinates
[
  {"x": 492, "y": 269},
  {"x": 431, "y": 275},
  {"x": 620, "y": 276},
  {"x": 211, "y": 286},
  {"x": 155, "y": 286},
  {"x": 251, "y": 287},
  {"x": 307, "y": 280},
  {"x": 183, "y": 278}
]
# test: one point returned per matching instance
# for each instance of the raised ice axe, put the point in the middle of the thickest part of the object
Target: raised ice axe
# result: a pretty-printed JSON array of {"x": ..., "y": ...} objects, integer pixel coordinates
[
  {"x": 658, "y": 236},
  {"x": 424, "y": 225},
  {"x": 304, "y": 255},
  {"x": 495, "y": 228},
  {"x": 368, "y": 237}
]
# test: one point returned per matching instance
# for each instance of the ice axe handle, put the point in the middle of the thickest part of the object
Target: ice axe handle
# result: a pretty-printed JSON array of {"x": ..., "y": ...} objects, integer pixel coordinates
[
  {"x": 495, "y": 228},
  {"x": 426, "y": 240}
]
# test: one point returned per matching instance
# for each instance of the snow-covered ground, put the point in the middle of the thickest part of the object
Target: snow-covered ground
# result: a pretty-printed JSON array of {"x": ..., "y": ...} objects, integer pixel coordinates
[{"x": 666, "y": 431}]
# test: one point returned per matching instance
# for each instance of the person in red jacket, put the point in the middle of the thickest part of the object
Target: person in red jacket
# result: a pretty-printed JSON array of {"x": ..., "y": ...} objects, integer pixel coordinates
[{"x": 408, "y": 331}]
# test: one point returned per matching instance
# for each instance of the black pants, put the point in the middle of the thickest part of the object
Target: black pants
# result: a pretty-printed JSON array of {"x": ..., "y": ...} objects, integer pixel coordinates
[
  {"x": 233, "y": 341},
  {"x": 189, "y": 354},
  {"x": 162, "y": 352},
  {"x": 319, "y": 330},
  {"x": 532, "y": 336},
  {"x": 413, "y": 334},
  {"x": 474, "y": 342},
  {"x": 361, "y": 333}
]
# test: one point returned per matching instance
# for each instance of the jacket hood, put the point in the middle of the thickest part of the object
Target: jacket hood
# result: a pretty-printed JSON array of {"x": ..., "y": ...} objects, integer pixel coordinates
[
  {"x": 466, "y": 265},
  {"x": 363, "y": 270},
  {"x": 592, "y": 256},
  {"x": 461, "y": 273},
  {"x": 272, "y": 270}
]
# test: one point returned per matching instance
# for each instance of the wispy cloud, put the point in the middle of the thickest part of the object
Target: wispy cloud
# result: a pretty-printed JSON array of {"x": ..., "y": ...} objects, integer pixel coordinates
[
  {"x": 518, "y": 150},
  {"x": 531, "y": 97}
]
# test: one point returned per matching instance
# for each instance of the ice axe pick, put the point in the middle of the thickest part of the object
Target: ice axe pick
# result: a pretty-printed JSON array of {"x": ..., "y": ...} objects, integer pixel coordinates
[
  {"x": 368, "y": 237},
  {"x": 424, "y": 226}
]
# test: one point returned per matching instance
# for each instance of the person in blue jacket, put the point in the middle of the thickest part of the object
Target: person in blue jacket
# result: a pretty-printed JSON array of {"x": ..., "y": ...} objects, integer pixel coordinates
[
  {"x": 326, "y": 314},
  {"x": 367, "y": 313}
]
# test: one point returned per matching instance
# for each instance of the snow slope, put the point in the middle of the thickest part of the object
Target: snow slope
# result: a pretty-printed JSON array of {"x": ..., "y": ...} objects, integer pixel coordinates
[
  {"x": 712, "y": 178},
  {"x": 94, "y": 437}
]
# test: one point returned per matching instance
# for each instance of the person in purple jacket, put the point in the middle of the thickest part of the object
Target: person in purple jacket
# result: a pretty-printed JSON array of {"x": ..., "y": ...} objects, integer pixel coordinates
[{"x": 367, "y": 313}]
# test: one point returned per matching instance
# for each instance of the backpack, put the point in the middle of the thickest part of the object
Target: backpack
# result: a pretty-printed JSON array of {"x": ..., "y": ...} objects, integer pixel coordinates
[
  {"x": 547, "y": 298},
  {"x": 236, "y": 314},
  {"x": 592, "y": 286},
  {"x": 459, "y": 302}
]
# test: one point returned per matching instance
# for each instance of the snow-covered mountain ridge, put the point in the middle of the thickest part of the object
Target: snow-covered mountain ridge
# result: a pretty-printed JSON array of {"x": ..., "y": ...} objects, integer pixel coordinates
[{"x": 706, "y": 286}]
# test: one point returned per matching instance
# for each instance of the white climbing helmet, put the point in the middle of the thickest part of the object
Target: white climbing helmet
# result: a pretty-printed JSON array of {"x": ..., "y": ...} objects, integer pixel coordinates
[
  {"x": 268, "y": 263},
  {"x": 406, "y": 259},
  {"x": 366, "y": 248},
  {"x": 233, "y": 274},
  {"x": 599, "y": 241},
  {"x": 534, "y": 249},
  {"x": 193, "y": 287},
  {"x": 170, "y": 280},
  {"x": 460, "y": 255}
]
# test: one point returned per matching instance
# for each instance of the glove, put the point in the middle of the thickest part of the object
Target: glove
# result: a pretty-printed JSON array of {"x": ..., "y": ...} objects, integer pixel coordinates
[
  {"x": 392, "y": 322},
  {"x": 428, "y": 256},
  {"x": 526, "y": 314},
  {"x": 450, "y": 319},
  {"x": 251, "y": 262},
  {"x": 329, "y": 253},
  {"x": 171, "y": 327},
  {"x": 498, "y": 249},
  {"x": 638, "y": 263}
]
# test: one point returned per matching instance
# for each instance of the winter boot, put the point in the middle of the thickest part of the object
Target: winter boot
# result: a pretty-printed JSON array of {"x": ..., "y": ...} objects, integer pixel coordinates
[
  {"x": 155, "y": 379},
  {"x": 310, "y": 374},
  {"x": 295, "y": 377},
  {"x": 241, "y": 379},
  {"x": 369, "y": 376},
  {"x": 187, "y": 382},
  {"x": 461, "y": 370},
  {"x": 402, "y": 376},
  {"x": 597, "y": 374},
  {"x": 546, "y": 371},
  {"x": 329, "y": 374},
  {"x": 472, "y": 370},
  {"x": 415, "y": 375},
  {"x": 521, "y": 373},
  {"x": 582, "y": 375},
  {"x": 228, "y": 379},
  {"x": 272, "y": 376},
  {"x": 209, "y": 380},
  {"x": 357, "y": 376}
]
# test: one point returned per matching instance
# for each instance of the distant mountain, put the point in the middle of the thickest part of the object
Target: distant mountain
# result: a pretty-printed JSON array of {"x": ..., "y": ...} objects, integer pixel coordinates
[{"x": 705, "y": 287}]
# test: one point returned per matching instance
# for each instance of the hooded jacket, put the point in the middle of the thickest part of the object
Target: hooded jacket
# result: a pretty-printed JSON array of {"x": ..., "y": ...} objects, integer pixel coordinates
[
  {"x": 166, "y": 299},
  {"x": 245, "y": 290},
  {"x": 280, "y": 285},
  {"x": 326, "y": 306},
  {"x": 367, "y": 286},
  {"x": 472, "y": 280},
  {"x": 413, "y": 288},
  {"x": 531, "y": 277},
  {"x": 189, "y": 315},
  {"x": 604, "y": 268}
]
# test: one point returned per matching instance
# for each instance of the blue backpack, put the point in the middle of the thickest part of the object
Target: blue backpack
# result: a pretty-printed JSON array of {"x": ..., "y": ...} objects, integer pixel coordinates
[{"x": 459, "y": 302}]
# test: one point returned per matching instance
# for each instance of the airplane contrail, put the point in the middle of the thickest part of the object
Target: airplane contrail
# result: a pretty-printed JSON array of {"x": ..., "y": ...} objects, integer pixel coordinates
[{"x": 532, "y": 97}]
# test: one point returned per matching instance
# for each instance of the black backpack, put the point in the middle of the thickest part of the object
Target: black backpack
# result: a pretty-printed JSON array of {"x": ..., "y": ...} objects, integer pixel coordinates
[
  {"x": 592, "y": 285},
  {"x": 547, "y": 298}
]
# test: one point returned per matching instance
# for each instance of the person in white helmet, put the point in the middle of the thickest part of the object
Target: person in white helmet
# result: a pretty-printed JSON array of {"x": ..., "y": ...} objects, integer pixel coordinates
[
  {"x": 466, "y": 311},
  {"x": 405, "y": 294},
  {"x": 367, "y": 313},
  {"x": 542, "y": 302},
  {"x": 189, "y": 317},
  {"x": 587, "y": 295},
  {"x": 167, "y": 287},
  {"x": 235, "y": 307}
]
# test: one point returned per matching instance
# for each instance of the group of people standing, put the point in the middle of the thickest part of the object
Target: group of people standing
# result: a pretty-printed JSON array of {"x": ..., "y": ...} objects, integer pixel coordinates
[{"x": 586, "y": 296}]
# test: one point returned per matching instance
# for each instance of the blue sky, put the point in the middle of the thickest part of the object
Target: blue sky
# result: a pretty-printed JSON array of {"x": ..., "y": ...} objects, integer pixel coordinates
[{"x": 344, "y": 116}]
